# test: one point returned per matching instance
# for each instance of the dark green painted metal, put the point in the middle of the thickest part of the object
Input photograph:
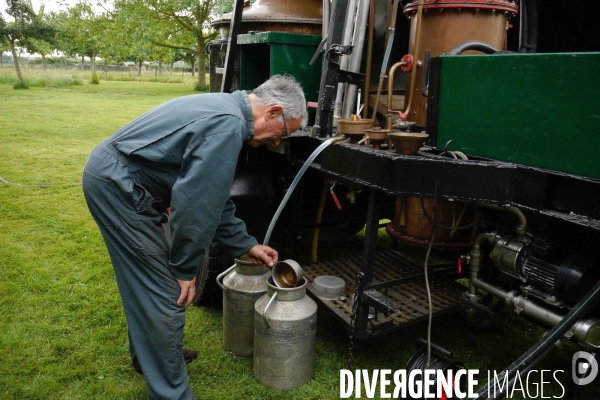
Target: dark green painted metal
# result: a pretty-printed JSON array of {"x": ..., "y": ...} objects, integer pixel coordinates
[
  {"x": 279, "y": 37},
  {"x": 541, "y": 110},
  {"x": 264, "y": 54}
]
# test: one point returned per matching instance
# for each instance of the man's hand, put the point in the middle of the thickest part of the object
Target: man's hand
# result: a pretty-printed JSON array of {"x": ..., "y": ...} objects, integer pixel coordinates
[
  {"x": 263, "y": 255},
  {"x": 188, "y": 291}
]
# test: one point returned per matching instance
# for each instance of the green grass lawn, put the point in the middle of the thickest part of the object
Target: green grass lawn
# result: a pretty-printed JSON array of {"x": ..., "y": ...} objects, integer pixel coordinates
[{"x": 62, "y": 330}]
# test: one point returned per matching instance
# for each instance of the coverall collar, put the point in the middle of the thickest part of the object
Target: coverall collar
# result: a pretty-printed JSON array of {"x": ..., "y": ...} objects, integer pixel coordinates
[{"x": 244, "y": 102}]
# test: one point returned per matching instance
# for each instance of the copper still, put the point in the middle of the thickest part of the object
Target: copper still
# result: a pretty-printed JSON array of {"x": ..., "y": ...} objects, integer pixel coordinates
[
  {"x": 445, "y": 24},
  {"x": 277, "y": 15},
  {"x": 413, "y": 222}
]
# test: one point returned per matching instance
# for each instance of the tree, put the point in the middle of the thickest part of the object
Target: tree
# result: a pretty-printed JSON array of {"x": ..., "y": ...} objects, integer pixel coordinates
[
  {"x": 42, "y": 45},
  {"x": 126, "y": 41},
  {"x": 3, "y": 43},
  {"x": 175, "y": 24},
  {"x": 27, "y": 25},
  {"x": 82, "y": 32}
]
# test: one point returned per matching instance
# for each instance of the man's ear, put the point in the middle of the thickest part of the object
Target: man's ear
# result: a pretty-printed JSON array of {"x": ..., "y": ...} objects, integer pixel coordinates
[{"x": 273, "y": 111}]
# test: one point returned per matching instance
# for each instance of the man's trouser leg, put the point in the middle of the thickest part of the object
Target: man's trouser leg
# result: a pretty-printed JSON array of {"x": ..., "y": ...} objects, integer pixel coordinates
[{"x": 138, "y": 250}]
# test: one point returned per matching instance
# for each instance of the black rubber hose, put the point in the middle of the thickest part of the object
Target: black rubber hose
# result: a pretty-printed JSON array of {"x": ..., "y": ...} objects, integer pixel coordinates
[
  {"x": 501, "y": 394},
  {"x": 551, "y": 337},
  {"x": 529, "y": 27},
  {"x": 523, "y": 30},
  {"x": 532, "y": 26},
  {"x": 473, "y": 45}
]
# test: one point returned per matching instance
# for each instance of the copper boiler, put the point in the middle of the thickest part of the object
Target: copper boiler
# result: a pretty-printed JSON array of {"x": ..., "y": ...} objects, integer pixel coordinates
[
  {"x": 445, "y": 24},
  {"x": 305, "y": 16}
]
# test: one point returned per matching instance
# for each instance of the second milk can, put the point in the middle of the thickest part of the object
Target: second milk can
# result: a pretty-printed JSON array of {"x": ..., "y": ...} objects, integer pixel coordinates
[
  {"x": 285, "y": 328},
  {"x": 241, "y": 288}
]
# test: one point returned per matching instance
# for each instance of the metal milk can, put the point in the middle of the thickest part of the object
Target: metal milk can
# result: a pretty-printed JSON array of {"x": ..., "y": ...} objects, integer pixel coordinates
[
  {"x": 241, "y": 288},
  {"x": 285, "y": 328}
]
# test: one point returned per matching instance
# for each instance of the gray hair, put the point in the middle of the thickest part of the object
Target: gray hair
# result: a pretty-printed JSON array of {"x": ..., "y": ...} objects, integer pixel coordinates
[{"x": 285, "y": 91}]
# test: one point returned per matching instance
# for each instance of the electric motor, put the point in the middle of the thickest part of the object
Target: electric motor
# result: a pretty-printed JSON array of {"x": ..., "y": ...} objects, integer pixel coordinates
[{"x": 569, "y": 277}]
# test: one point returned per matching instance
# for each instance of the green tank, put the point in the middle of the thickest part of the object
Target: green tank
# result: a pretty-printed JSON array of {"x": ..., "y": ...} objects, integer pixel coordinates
[{"x": 541, "y": 110}]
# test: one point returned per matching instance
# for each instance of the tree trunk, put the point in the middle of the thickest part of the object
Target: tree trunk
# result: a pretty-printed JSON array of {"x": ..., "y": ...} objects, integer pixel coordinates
[
  {"x": 16, "y": 61},
  {"x": 192, "y": 59},
  {"x": 159, "y": 67},
  {"x": 201, "y": 64},
  {"x": 140, "y": 68},
  {"x": 93, "y": 62},
  {"x": 82, "y": 63},
  {"x": 1, "y": 59},
  {"x": 44, "y": 62}
]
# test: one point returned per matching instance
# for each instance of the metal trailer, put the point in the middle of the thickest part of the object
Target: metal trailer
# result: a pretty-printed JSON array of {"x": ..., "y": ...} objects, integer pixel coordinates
[{"x": 513, "y": 136}]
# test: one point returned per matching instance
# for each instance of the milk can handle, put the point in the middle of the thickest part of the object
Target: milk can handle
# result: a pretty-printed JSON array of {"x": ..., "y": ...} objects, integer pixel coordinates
[
  {"x": 222, "y": 275},
  {"x": 267, "y": 307}
]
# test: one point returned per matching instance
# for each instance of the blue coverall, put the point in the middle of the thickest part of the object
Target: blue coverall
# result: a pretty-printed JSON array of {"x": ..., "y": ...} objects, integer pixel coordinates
[{"x": 181, "y": 154}]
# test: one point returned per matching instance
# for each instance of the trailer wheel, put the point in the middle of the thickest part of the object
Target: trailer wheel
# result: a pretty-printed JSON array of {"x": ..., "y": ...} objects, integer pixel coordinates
[{"x": 213, "y": 263}]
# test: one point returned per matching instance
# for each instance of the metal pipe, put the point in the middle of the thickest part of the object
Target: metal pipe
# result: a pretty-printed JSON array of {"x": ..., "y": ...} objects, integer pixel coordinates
[
  {"x": 475, "y": 262},
  {"x": 413, "y": 75},
  {"x": 369, "y": 53},
  {"x": 346, "y": 41},
  {"x": 473, "y": 45},
  {"x": 548, "y": 340},
  {"x": 522, "y": 227},
  {"x": 325, "y": 24},
  {"x": 585, "y": 331},
  {"x": 386, "y": 56},
  {"x": 354, "y": 66},
  {"x": 390, "y": 91},
  {"x": 489, "y": 288}
]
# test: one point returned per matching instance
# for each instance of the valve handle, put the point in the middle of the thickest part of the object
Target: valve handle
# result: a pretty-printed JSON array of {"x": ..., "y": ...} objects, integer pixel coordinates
[
  {"x": 334, "y": 197},
  {"x": 408, "y": 59},
  {"x": 459, "y": 265}
]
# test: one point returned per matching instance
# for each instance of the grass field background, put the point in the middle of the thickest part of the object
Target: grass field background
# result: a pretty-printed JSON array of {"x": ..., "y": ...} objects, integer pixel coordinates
[{"x": 62, "y": 329}]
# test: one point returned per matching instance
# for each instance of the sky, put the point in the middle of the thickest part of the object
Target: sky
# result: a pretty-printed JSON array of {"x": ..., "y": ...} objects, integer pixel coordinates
[
  {"x": 53, "y": 5},
  {"x": 49, "y": 5}
]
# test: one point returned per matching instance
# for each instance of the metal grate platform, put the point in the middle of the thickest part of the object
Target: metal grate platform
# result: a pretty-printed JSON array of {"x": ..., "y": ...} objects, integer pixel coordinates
[{"x": 389, "y": 265}]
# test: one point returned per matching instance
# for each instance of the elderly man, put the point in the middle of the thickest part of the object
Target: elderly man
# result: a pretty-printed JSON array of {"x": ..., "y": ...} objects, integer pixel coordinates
[{"x": 182, "y": 155}]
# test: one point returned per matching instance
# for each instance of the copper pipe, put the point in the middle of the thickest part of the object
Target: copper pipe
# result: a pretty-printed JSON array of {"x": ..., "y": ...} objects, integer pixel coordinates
[
  {"x": 413, "y": 76},
  {"x": 369, "y": 53},
  {"x": 390, "y": 90}
]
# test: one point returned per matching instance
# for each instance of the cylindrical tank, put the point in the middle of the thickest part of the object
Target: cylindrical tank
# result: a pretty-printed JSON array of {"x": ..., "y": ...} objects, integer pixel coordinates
[
  {"x": 241, "y": 288},
  {"x": 285, "y": 328},
  {"x": 412, "y": 225},
  {"x": 445, "y": 24},
  {"x": 294, "y": 16}
]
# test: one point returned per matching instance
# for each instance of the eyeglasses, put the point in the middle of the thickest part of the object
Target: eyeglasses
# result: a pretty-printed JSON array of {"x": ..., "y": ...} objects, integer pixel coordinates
[{"x": 287, "y": 134}]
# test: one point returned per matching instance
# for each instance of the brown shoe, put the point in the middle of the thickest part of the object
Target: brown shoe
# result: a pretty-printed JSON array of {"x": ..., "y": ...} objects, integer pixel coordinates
[{"x": 189, "y": 355}]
